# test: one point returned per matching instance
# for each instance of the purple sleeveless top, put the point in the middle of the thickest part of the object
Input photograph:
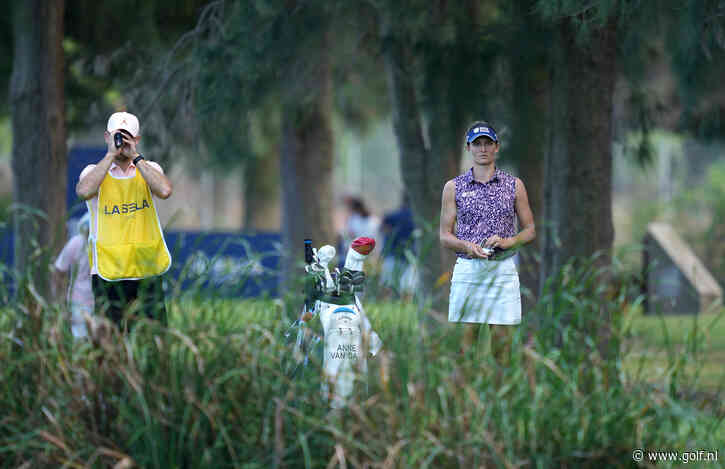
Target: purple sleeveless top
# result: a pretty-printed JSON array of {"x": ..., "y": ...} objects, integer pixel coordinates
[{"x": 485, "y": 209}]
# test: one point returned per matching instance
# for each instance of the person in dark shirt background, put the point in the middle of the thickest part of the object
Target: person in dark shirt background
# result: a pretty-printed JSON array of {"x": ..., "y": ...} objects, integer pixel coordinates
[{"x": 398, "y": 230}]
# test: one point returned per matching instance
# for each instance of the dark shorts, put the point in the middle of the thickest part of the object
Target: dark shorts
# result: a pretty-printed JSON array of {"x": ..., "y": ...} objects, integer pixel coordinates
[{"x": 128, "y": 299}]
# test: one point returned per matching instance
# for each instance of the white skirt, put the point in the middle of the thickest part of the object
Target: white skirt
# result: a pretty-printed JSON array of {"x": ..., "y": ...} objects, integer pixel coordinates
[{"x": 485, "y": 292}]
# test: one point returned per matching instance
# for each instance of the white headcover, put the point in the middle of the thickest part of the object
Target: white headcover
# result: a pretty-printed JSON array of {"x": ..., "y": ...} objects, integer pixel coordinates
[
  {"x": 324, "y": 255},
  {"x": 354, "y": 260}
]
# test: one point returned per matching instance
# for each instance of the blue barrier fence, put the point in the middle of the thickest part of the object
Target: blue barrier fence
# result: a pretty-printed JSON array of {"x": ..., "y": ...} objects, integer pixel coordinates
[
  {"x": 79, "y": 158},
  {"x": 220, "y": 264},
  {"x": 225, "y": 264}
]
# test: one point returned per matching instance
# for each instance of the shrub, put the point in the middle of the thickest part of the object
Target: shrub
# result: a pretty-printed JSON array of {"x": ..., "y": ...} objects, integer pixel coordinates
[{"x": 211, "y": 391}]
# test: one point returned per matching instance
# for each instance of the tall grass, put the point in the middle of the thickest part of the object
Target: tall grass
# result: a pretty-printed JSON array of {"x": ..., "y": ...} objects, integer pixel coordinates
[{"x": 211, "y": 390}]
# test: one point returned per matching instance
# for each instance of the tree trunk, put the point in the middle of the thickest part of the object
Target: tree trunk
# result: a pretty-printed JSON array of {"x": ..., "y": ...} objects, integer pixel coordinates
[
  {"x": 531, "y": 95},
  {"x": 590, "y": 230},
  {"x": 578, "y": 203},
  {"x": 306, "y": 161},
  {"x": 447, "y": 119},
  {"x": 262, "y": 192},
  {"x": 39, "y": 159},
  {"x": 423, "y": 171},
  {"x": 529, "y": 140},
  {"x": 578, "y": 206},
  {"x": 556, "y": 166},
  {"x": 592, "y": 75}
]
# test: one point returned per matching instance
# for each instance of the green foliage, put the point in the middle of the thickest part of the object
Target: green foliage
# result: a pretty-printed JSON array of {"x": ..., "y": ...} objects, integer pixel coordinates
[
  {"x": 138, "y": 23},
  {"x": 6, "y": 137},
  {"x": 689, "y": 349},
  {"x": 99, "y": 65},
  {"x": 585, "y": 15},
  {"x": 683, "y": 186},
  {"x": 5, "y": 212},
  {"x": 84, "y": 89},
  {"x": 641, "y": 150},
  {"x": 209, "y": 391},
  {"x": 710, "y": 196},
  {"x": 689, "y": 33},
  {"x": 695, "y": 41},
  {"x": 458, "y": 58},
  {"x": 254, "y": 53},
  {"x": 6, "y": 52},
  {"x": 237, "y": 71},
  {"x": 360, "y": 86}
]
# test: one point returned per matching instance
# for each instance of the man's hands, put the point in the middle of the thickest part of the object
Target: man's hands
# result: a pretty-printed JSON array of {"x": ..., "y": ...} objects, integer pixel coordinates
[
  {"x": 128, "y": 149},
  {"x": 111, "y": 146}
]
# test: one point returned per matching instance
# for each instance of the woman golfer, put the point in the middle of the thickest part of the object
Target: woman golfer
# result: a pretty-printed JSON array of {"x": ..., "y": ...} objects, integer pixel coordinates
[{"x": 478, "y": 222}]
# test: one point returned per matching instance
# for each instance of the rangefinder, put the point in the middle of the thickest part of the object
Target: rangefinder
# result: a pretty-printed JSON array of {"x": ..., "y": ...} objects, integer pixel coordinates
[{"x": 118, "y": 139}]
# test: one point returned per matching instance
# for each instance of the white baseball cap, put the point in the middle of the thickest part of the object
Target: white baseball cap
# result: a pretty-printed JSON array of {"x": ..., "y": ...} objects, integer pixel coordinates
[{"x": 125, "y": 121}]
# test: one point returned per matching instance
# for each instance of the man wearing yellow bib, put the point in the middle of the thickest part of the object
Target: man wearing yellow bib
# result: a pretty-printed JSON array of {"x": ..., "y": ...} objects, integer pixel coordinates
[{"x": 126, "y": 246}]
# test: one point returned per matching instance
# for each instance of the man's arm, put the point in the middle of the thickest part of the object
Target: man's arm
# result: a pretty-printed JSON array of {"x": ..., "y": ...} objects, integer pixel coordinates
[
  {"x": 157, "y": 180},
  {"x": 89, "y": 183},
  {"x": 448, "y": 221}
]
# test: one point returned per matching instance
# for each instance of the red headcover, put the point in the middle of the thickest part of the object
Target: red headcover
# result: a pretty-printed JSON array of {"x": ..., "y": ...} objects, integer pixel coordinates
[{"x": 363, "y": 245}]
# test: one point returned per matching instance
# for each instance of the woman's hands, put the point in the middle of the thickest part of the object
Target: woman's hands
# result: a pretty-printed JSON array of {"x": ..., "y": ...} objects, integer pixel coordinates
[
  {"x": 476, "y": 251},
  {"x": 486, "y": 251},
  {"x": 496, "y": 241}
]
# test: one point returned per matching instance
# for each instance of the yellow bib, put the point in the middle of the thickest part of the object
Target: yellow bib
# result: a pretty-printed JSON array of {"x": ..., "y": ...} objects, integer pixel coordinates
[{"x": 129, "y": 243}]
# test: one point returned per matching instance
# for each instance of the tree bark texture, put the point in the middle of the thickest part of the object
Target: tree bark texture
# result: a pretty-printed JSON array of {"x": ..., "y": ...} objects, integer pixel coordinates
[
  {"x": 39, "y": 157},
  {"x": 556, "y": 166},
  {"x": 306, "y": 162},
  {"x": 262, "y": 192},
  {"x": 529, "y": 141},
  {"x": 577, "y": 196},
  {"x": 591, "y": 76},
  {"x": 447, "y": 117},
  {"x": 578, "y": 202},
  {"x": 531, "y": 98},
  {"x": 423, "y": 171}
]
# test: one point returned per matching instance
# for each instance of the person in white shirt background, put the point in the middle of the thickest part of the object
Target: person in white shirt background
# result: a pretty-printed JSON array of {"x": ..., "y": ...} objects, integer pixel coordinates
[
  {"x": 360, "y": 222},
  {"x": 72, "y": 267}
]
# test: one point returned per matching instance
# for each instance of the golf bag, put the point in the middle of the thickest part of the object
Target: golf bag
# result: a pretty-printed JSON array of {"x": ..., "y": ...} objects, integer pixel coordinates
[{"x": 333, "y": 308}]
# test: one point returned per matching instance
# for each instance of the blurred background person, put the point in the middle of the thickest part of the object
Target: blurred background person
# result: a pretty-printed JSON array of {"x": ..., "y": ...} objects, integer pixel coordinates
[
  {"x": 398, "y": 229},
  {"x": 72, "y": 268},
  {"x": 358, "y": 222}
]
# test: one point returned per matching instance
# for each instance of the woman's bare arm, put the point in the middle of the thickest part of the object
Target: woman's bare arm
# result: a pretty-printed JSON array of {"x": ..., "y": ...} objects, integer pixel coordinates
[{"x": 526, "y": 217}]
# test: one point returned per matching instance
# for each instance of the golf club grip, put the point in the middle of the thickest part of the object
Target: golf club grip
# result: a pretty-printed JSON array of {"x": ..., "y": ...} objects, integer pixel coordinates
[{"x": 309, "y": 257}]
